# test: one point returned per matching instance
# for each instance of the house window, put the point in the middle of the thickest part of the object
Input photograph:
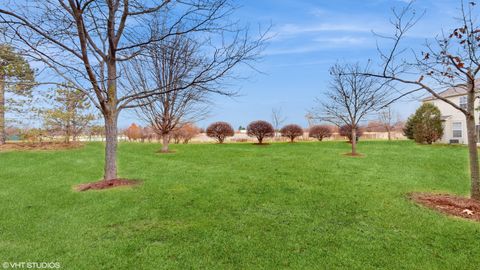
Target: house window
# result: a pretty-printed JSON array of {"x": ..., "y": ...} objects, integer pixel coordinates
[
  {"x": 463, "y": 103},
  {"x": 457, "y": 129}
]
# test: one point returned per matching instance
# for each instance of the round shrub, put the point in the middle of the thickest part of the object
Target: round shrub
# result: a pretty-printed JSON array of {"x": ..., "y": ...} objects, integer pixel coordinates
[
  {"x": 220, "y": 131},
  {"x": 260, "y": 130},
  {"x": 320, "y": 132},
  {"x": 291, "y": 132},
  {"x": 346, "y": 131},
  {"x": 425, "y": 126}
]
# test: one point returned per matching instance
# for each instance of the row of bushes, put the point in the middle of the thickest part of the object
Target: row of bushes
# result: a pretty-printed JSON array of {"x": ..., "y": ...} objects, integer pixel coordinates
[{"x": 263, "y": 129}]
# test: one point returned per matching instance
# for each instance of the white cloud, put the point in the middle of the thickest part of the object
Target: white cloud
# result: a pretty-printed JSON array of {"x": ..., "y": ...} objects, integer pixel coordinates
[
  {"x": 345, "y": 40},
  {"x": 294, "y": 29},
  {"x": 321, "y": 44}
]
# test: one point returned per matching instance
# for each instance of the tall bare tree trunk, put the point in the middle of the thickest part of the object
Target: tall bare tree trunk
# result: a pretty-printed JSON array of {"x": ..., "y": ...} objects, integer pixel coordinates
[
  {"x": 2, "y": 111},
  {"x": 165, "y": 142},
  {"x": 354, "y": 140},
  {"x": 110, "y": 113},
  {"x": 111, "y": 142},
  {"x": 389, "y": 135},
  {"x": 472, "y": 144}
]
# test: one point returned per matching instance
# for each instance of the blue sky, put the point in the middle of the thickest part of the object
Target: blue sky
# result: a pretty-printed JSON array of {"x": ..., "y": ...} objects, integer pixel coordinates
[{"x": 308, "y": 37}]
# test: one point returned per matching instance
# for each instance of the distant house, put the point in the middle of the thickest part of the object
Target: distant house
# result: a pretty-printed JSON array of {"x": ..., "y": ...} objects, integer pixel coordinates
[{"x": 454, "y": 124}]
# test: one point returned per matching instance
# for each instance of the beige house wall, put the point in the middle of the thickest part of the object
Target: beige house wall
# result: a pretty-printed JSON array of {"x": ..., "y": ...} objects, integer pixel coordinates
[{"x": 451, "y": 115}]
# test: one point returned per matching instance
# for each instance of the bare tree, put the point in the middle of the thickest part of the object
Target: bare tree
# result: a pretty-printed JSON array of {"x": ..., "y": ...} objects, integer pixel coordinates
[
  {"x": 277, "y": 119},
  {"x": 451, "y": 61},
  {"x": 350, "y": 99},
  {"x": 385, "y": 118},
  {"x": 182, "y": 77},
  {"x": 83, "y": 42}
]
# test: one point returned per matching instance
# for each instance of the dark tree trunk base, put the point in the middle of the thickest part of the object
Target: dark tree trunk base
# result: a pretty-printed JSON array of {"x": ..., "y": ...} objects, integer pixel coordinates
[
  {"x": 354, "y": 155},
  {"x": 107, "y": 184},
  {"x": 166, "y": 152},
  {"x": 449, "y": 204},
  {"x": 261, "y": 144}
]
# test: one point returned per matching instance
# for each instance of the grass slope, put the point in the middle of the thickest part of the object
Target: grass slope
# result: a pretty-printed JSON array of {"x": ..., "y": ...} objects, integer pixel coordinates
[{"x": 238, "y": 206}]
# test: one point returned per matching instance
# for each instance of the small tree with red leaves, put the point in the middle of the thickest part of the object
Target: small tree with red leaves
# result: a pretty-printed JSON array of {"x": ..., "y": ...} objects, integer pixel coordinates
[
  {"x": 291, "y": 131},
  {"x": 320, "y": 132},
  {"x": 346, "y": 131},
  {"x": 220, "y": 131},
  {"x": 261, "y": 130}
]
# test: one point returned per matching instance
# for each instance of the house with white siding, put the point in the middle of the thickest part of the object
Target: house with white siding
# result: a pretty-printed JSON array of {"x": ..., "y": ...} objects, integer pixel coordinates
[{"x": 454, "y": 123}]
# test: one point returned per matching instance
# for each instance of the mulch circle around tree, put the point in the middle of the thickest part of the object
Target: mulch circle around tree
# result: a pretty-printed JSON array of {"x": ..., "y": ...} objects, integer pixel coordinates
[
  {"x": 449, "y": 204},
  {"x": 44, "y": 146},
  {"x": 107, "y": 184}
]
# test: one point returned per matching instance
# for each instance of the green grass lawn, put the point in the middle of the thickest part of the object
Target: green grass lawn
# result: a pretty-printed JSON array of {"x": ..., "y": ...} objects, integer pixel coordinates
[{"x": 238, "y": 206}]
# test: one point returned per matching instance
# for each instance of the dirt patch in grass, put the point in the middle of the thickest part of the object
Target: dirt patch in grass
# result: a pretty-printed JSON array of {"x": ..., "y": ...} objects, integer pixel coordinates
[
  {"x": 168, "y": 152},
  {"x": 354, "y": 155},
  {"x": 449, "y": 204},
  {"x": 44, "y": 146},
  {"x": 107, "y": 184}
]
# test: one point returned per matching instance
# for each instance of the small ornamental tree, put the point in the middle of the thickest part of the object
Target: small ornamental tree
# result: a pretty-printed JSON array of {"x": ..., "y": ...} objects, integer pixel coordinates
[
  {"x": 220, "y": 131},
  {"x": 320, "y": 132},
  {"x": 134, "y": 132},
  {"x": 260, "y": 130},
  {"x": 189, "y": 131},
  {"x": 291, "y": 132},
  {"x": 346, "y": 131},
  {"x": 186, "y": 133}
]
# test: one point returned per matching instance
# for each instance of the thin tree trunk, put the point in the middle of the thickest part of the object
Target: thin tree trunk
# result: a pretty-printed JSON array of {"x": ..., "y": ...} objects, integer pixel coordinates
[
  {"x": 165, "y": 142},
  {"x": 2, "y": 111},
  {"x": 389, "y": 135},
  {"x": 473, "y": 156},
  {"x": 111, "y": 147},
  {"x": 67, "y": 135},
  {"x": 472, "y": 144},
  {"x": 354, "y": 141}
]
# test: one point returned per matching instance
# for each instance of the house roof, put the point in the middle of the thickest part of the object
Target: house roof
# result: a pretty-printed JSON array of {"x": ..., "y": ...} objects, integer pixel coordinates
[
  {"x": 453, "y": 91},
  {"x": 450, "y": 92}
]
